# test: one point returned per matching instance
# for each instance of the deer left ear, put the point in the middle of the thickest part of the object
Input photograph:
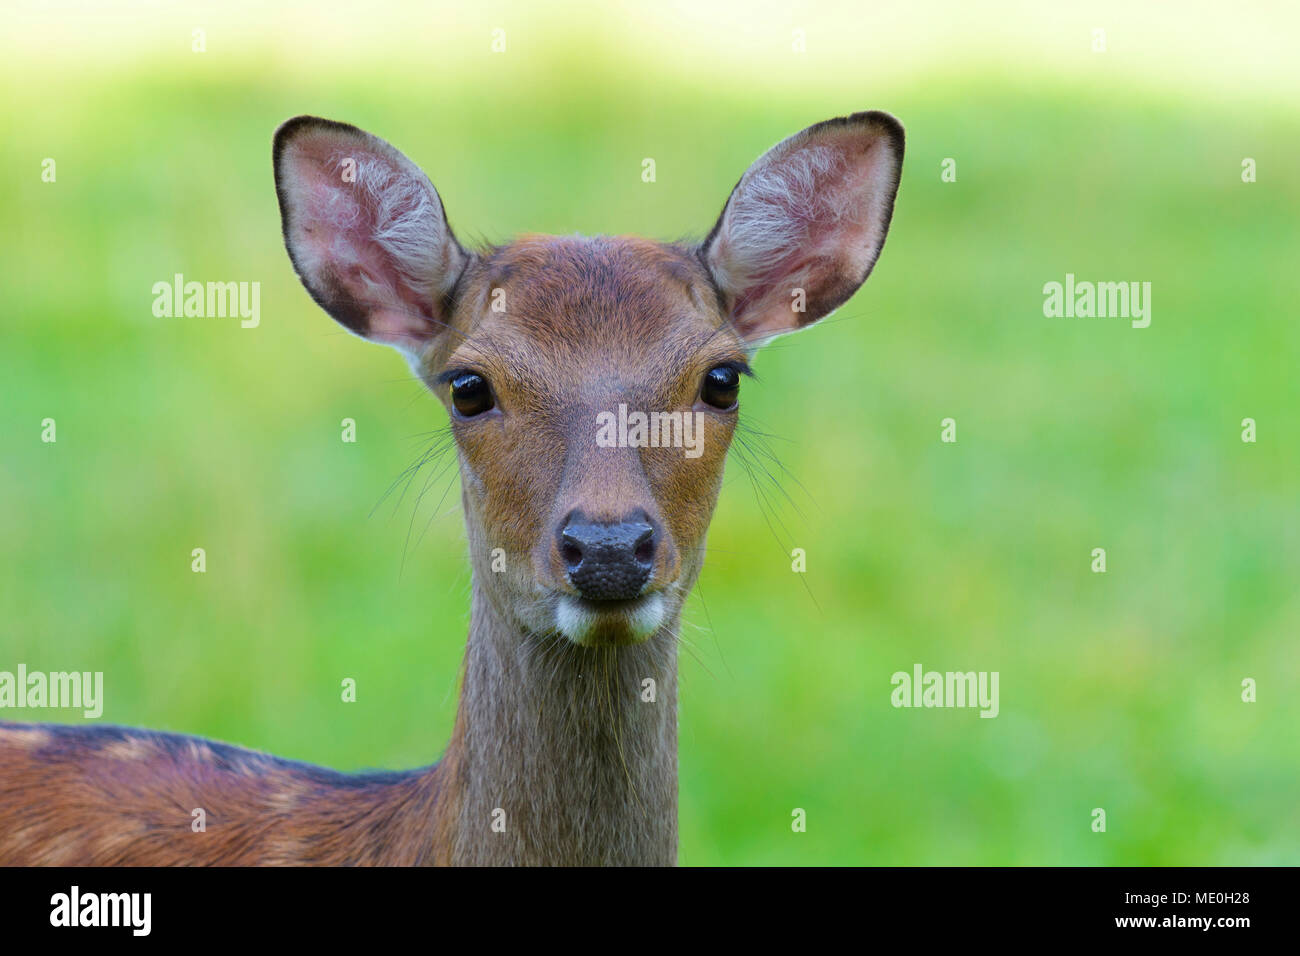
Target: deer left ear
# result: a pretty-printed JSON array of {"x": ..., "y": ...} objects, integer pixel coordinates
[
  {"x": 366, "y": 232},
  {"x": 805, "y": 224}
]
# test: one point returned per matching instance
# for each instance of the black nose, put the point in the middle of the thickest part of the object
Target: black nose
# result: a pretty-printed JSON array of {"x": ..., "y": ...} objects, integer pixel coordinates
[{"x": 608, "y": 562}]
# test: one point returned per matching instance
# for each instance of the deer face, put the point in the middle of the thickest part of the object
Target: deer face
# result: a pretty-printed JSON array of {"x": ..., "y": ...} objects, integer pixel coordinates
[
  {"x": 601, "y": 532},
  {"x": 592, "y": 384}
]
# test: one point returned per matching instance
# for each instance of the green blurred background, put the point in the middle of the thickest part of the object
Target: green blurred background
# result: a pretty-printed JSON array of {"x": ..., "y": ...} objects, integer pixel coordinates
[{"x": 1118, "y": 690}]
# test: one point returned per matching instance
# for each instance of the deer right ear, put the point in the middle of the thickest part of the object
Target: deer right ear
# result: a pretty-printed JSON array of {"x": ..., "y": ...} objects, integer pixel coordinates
[
  {"x": 803, "y": 227},
  {"x": 366, "y": 232}
]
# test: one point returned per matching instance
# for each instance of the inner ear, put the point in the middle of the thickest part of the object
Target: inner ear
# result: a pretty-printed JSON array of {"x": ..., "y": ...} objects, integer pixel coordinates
[
  {"x": 366, "y": 232},
  {"x": 803, "y": 228}
]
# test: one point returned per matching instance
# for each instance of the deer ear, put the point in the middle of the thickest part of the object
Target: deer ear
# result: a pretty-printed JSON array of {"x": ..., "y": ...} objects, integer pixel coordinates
[
  {"x": 803, "y": 227},
  {"x": 366, "y": 232}
]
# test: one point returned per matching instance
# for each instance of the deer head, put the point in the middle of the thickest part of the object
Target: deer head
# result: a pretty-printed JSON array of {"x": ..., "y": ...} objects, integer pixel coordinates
[{"x": 547, "y": 352}]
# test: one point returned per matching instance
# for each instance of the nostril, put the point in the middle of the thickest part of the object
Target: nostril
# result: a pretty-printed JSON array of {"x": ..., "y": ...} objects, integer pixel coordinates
[
  {"x": 645, "y": 547},
  {"x": 571, "y": 553}
]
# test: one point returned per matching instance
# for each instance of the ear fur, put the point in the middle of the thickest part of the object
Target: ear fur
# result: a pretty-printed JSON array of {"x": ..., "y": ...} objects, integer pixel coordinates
[
  {"x": 366, "y": 232},
  {"x": 803, "y": 228}
]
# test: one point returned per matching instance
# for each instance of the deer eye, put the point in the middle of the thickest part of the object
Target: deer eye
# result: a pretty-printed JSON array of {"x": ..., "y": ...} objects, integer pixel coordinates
[
  {"x": 470, "y": 394},
  {"x": 721, "y": 387}
]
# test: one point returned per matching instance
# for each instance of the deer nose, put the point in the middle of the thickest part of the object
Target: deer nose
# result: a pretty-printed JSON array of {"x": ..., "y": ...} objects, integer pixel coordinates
[{"x": 608, "y": 561}]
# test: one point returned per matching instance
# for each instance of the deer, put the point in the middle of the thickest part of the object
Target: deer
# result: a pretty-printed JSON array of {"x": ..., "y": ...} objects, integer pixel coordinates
[{"x": 582, "y": 553}]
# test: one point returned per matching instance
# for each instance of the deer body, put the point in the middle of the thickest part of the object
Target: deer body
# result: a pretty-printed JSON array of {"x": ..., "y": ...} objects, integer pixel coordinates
[
  {"x": 589, "y": 776},
  {"x": 564, "y": 749}
]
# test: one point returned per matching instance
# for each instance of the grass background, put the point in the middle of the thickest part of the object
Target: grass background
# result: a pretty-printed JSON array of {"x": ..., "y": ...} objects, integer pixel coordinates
[{"x": 1119, "y": 691}]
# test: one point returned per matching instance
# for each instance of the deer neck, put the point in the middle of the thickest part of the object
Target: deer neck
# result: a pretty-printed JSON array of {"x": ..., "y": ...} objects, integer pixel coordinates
[{"x": 559, "y": 756}]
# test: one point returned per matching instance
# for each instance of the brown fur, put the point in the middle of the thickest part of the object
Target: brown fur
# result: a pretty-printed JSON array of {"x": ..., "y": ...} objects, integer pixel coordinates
[{"x": 108, "y": 796}]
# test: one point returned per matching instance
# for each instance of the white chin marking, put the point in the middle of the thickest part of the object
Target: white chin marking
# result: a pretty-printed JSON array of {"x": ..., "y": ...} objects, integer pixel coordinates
[{"x": 580, "y": 623}]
